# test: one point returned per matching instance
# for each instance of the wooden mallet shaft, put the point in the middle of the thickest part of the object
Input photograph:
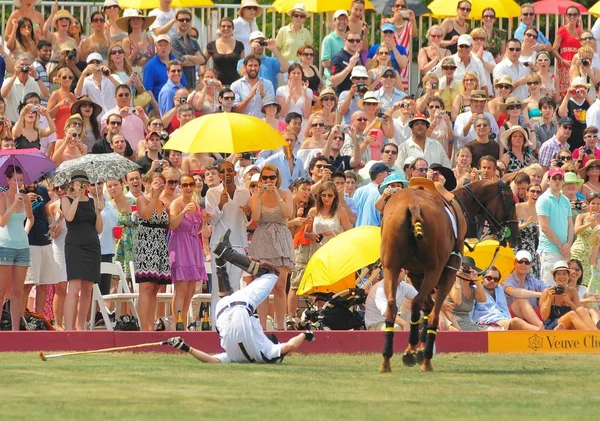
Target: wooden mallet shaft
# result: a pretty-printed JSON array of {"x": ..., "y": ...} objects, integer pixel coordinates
[{"x": 98, "y": 351}]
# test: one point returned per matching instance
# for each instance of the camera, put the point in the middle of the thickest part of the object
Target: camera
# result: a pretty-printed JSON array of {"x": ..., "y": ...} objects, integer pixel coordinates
[
  {"x": 442, "y": 113},
  {"x": 106, "y": 72},
  {"x": 210, "y": 82},
  {"x": 587, "y": 150},
  {"x": 436, "y": 173},
  {"x": 492, "y": 136},
  {"x": 247, "y": 155},
  {"x": 526, "y": 64},
  {"x": 71, "y": 54},
  {"x": 393, "y": 190},
  {"x": 35, "y": 108},
  {"x": 434, "y": 85},
  {"x": 382, "y": 116},
  {"x": 344, "y": 128},
  {"x": 164, "y": 135},
  {"x": 319, "y": 238},
  {"x": 362, "y": 88},
  {"x": 183, "y": 100},
  {"x": 265, "y": 187},
  {"x": 576, "y": 91},
  {"x": 25, "y": 69},
  {"x": 578, "y": 204},
  {"x": 263, "y": 43},
  {"x": 559, "y": 290},
  {"x": 585, "y": 62},
  {"x": 559, "y": 164},
  {"x": 327, "y": 167}
]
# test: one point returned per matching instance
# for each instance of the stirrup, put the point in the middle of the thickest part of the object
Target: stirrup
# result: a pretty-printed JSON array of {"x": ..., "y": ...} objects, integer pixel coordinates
[{"x": 454, "y": 253}]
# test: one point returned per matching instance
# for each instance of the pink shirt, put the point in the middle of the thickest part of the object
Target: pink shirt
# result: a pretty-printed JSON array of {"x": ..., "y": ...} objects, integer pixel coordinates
[{"x": 132, "y": 128}]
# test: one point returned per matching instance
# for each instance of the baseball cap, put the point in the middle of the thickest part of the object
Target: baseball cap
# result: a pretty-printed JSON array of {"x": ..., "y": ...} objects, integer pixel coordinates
[
  {"x": 465, "y": 39},
  {"x": 565, "y": 120},
  {"x": 163, "y": 37},
  {"x": 555, "y": 171},
  {"x": 470, "y": 263},
  {"x": 339, "y": 13},
  {"x": 250, "y": 168},
  {"x": 257, "y": 34},
  {"x": 388, "y": 70},
  {"x": 359, "y": 71},
  {"x": 523, "y": 254},
  {"x": 93, "y": 56},
  {"x": 379, "y": 167},
  {"x": 388, "y": 26}
]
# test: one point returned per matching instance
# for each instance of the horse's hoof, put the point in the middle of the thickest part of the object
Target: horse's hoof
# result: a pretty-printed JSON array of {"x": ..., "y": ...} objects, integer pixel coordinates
[
  {"x": 385, "y": 367},
  {"x": 409, "y": 359},
  {"x": 426, "y": 366},
  {"x": 420, "y": 356}
]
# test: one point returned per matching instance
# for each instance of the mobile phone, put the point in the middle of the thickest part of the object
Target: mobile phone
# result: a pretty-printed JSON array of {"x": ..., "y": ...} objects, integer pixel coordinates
[{"x": 404, "y": 14}]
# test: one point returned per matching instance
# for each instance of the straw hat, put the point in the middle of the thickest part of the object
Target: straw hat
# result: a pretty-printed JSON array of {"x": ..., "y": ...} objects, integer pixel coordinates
[
  {"x": 370, "y": 97},
  {"x": 580, "y": 81},
  {"x": 18, "y": 3},
  {"x": 592, "y": 162},
  {"x": 513, "y": 100},
  {"x": 123, "y": 23},
  {"x": 327, "y": 92},
  {"x": 250, "y": 3},
  {"x": 560, "y": 265},
  {"x": 504, "y": 80},
  {"x": 61, "y": 14},
  {"x": 299, "y": 8},
  {"x": 508, "y": 133}
]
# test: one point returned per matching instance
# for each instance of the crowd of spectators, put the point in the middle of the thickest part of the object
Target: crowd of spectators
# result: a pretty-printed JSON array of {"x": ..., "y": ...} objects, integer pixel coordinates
[{"x": 488, "y": 105}]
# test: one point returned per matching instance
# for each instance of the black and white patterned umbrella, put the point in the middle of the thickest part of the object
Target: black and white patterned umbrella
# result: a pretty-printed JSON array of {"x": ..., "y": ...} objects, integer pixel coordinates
[{"x": 99, "y": 167}]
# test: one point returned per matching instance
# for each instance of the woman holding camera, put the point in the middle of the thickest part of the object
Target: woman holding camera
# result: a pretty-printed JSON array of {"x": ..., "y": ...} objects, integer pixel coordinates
[
  {"x": 327, "y": 218},
  {"x": 272, "y": 240},
  {"x": 584, "y": 226},
  {"x": 582, "y": 66},
  {"x": 26, "y": 132},
  {"x": 61, "y": 100},
  {"x": 205, "y": 98},
  {"x": 560, "y": 307},
  {"x": 465, "y": 291},
  {"x": 82, "y": 248},
  {"x": 591, "y": 177}
]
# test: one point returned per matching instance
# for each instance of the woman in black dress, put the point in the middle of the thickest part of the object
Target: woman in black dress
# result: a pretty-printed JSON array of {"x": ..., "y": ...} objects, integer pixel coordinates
[
  {"x": 82, "y": 249},
  {"x": 225, "y": 52}
]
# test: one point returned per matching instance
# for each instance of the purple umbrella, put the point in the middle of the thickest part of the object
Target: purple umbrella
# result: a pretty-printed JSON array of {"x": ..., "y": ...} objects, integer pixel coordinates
[{"x": 33, "y": 162}]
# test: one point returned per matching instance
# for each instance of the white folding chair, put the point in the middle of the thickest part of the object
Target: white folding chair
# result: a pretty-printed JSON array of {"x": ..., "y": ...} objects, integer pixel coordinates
[{"x": 161, "y": 297}]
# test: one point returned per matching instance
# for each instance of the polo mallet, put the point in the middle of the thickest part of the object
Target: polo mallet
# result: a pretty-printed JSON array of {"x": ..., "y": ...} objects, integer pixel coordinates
[{"x": 98, "y": 351}]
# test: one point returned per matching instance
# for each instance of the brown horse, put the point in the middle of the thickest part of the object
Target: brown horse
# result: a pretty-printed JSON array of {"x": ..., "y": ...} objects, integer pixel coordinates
[{"x": 417, "y": 235}]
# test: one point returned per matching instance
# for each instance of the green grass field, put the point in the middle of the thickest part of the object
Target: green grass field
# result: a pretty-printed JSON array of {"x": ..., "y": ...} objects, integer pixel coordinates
[{"x": 319, "y": 387}]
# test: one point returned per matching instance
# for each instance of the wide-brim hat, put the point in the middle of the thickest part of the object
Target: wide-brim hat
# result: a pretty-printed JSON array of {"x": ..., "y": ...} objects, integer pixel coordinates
[
  {"x": 560, "y": 265},
  {"x": 508, "y": 133},
  {"x": 479, "y": 95},
  {"x": 504, "y": 80},
  {"x": 79, "y": 175},
  {"x": 580, "y": 81},
  {"x": 571, "y": 178},
  {"x": 248, "y": 3},
  {"x": 270, "y": 100},
  {"x": 581, "y": 172},
  {"x": 370, "y": 97},
  {"x": 299, "y": 7},
  {"x": 326, "y": 92},
  {"x": 86, "y": 99},
  {"x": 470, "y": 262},
  {"x": 448, "y": 174},
  {"x": 395, "y": 177},
  {"x": 512, "y": 101},
  {"x": 18, "y": 3},
  {"x": 62, "y": 13},
  {"x": 123, "y": 23}
]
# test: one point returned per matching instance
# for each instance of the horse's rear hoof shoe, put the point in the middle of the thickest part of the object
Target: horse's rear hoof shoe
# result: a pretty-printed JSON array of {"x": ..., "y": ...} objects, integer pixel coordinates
[
  {"x": 420, "y": 356},
  {"x": 385, "y": 367},
  {"x": 426, "y": 366},
  {"x": 409, "y": 359}
]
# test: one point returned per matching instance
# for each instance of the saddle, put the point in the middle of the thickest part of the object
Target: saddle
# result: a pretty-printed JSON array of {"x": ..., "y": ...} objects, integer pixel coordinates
[{"x": 432, "y": 187}]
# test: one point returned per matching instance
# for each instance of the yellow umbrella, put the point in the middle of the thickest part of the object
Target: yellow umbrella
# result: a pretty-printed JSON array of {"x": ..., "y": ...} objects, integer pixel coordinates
[
  {"x": 332, "y": 267},
  {"x": 226, "y": 132},
  {"x": 154, "y": 4},
  {"x": 595, "y": 9},
  {"x": 484, "y": 253},
  {"x": 503, "y": 8},
  {"x": 317, "y": 6}
]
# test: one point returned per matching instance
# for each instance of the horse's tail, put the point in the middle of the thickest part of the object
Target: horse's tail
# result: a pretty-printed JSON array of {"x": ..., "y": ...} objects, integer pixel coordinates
[{"x": 416, "y": 219}]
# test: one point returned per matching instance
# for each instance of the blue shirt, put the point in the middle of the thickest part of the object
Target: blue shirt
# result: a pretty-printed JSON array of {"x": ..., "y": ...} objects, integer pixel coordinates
[
  {"x": 388, "y": 102},
  {"x": 155, "y": 75},
  {"x": 491, "y": 311},
  {"x": 269, "y": 69},
  {"x": 520, "y": 33},
  {"x": 166, "y": 95},
  {"x": 365, "y": 198},
  {"x": 280, "y": 161},
  {"x": 351, "y": 204},
  {"x": 242, "y": 89},
  {"x": 373, "y": 52},
  {"x": 558, "y": 212},
  {"x": 346, "y": 118},
  {"x": 2, "y": 70},
  {"x": 531, "y": 284}
]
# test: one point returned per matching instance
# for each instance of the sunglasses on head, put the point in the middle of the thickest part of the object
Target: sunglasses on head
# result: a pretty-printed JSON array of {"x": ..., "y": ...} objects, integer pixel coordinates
[{"x": 268, "y": 177}]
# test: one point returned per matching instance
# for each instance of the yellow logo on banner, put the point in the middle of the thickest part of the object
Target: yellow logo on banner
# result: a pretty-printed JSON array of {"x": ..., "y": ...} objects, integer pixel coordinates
[{"x": 551, "y": 341}]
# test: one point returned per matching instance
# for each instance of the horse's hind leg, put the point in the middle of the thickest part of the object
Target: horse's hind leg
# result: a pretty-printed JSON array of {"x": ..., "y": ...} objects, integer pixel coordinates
[
  {"x": 446, "y": 281},
  {"x": 408, "y": 358},
  {"x": 390, "y": 279}
]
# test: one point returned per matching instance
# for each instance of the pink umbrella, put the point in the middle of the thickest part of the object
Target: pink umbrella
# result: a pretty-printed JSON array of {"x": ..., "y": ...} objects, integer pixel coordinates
[
  {"x": 556, "y": 7},
  {"x": 33, "y": 162}
]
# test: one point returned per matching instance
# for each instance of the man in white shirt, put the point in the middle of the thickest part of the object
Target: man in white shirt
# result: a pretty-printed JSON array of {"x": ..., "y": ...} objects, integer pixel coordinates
[
  {"x": 97, "y": 74},
  {"x": 251, "y": 89},
  {"x": 229, "y": 205},
  {"x": 467, "y": 62},
  {"x": 14, "y": 88},
  {"x": 376, "y": 306},
  {"x": 464, "y": 130},
  {"x": 165, "y": 20},
  {"x": 401, "y": 130},
  {"x": 420, "y": 146},
  {"x": 512, "y": 67},
  {"x": 592, "y": 117}
]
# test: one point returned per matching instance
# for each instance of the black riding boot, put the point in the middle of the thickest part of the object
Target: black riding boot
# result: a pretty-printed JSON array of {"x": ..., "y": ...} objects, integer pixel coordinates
[{"x": 224, "y": 252}]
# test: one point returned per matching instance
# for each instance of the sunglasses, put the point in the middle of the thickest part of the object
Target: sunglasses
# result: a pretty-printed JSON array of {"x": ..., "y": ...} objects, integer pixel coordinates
[
  {"x": 531, "y": 35},
  {"x": 384, "y": 53},
  {"x": 361, "y": 119},
  {"x": 115, "y": 123},
  {"x": 98, "y": 20},
  {"x": 297, "y": 15},
  {"x": 448, "y": 68},
  {"x": 523, "y": 262},
  {"x": 354, "y": 40},
  {"x": 76, "y": 123},
  {"x": 321, "y": 166},
  {"x": 268, "y": 177},
  {"x": 254, "y": 8},
  {"x": 318, "y": 125},
  {"x": 388, "y": 32},
  {"x": 389, "y": 76},
  {"x": 503, "y": 86},
  {"x": 173, "y": 182},
  {"x": 392, "y": 151},
  {"x": 116, "y": 52},
  {"x": 594, "y": 167},
  {"x": 184, "y": 20},
  {"x": 228, "y": 98},
  {"x": 463, "y": 46},
  {"x": 567, "y": 127},
  {"x": 532, "y": 83},
  {"x": 124, "y": 95},
  {"x": 435, "y": 36},
  {"x": 57, "y": 188},
  {"x": 513, "y": 49},
  {"x": 479, "y": 39},
  {"x": 421, "y": 169},
  {"x": 557, "y": 178},
  {"x": 328, "y": 195},
  {"x": 588, "y": 39},
  {"x": 491, "y": 278},
  {"x": 565, "y": 158},
  {"x": 489, "y": 17},
  {"x": 338, "y": 138},
  {"x": 308, "y": 54},
  {"x": 87, "y": 105},
  {"x": 512, "y": 107},
  {"x": 529, "y": 14},
  {"x": 535, "y": 191},
  {"x": 188, "y": 185},
  {"x": 591, "y": 136},
  {"x": 328, "y": 98},
  {"x": 66, "y": 77},
  {"x": 175, "y": 70},
  {"x": 465, "y": 9},
  {"x": 573, "y": 15}
]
